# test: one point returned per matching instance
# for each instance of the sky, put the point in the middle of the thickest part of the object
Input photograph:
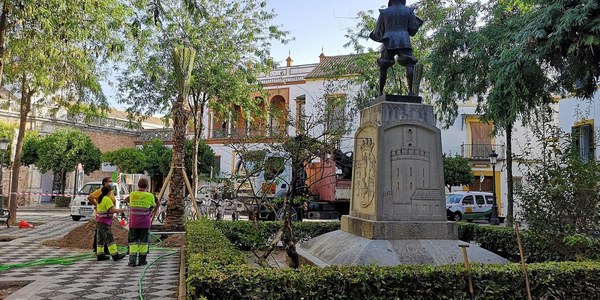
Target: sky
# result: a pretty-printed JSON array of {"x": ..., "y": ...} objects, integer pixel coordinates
[{"x": 315, "y": 25}]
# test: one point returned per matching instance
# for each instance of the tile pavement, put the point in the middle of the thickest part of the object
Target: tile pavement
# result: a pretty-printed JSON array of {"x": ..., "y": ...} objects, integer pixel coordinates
[{"x": 84, "y": 279}]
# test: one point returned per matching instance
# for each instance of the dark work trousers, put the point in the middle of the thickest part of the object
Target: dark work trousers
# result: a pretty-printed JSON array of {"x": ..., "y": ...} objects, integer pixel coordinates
[{"x": 96, "y": 242}]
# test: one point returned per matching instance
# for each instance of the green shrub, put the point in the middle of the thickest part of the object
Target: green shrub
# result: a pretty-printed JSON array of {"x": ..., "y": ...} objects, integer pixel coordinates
[
  {"x": 243, "y": 235},
  {"x": 561, "y": 196},
  {"x": 216, "y": 270},
  {"x": 466, "y": 231},
  {"x": 62, "y": 201}
]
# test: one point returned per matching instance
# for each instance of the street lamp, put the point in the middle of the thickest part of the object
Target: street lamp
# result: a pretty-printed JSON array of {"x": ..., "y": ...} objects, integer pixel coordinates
[
  {"x": 493, "y": 161},
  {"x": 3, "y": 147}
]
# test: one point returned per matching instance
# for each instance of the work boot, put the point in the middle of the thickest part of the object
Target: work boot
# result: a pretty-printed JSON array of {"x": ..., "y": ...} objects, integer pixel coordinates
[
  {"x": 142, "y": 260},
  {"x": 132, "y": 259},
  {"x": 102, "y": 257},
  {"x": 118, "y": 256}
]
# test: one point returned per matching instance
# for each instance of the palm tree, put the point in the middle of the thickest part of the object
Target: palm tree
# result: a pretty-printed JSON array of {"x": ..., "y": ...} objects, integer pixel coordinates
[{"x": 183, "y": 61}]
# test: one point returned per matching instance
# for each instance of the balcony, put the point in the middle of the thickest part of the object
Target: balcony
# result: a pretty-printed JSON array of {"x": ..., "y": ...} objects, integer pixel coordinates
[{"x": 481, "y": 151}]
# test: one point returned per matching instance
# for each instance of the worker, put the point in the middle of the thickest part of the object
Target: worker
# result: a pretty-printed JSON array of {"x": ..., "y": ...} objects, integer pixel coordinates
[
  {"x": 104, "y": 215},
  {"x": 93, "y": 199},
  {"x": 141, "y": 204}
]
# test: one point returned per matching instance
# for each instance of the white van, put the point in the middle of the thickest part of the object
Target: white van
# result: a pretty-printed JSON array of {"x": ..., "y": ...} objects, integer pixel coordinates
[
  {"x": 82, "y": 208},
  {"x": 469, "y": 206}
]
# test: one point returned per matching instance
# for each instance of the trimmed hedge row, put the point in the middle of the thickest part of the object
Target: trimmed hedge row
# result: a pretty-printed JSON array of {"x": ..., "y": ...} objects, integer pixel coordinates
[
  {"x": 503, "y": 241},
  {"x": 217, "y": 270},
  {"x": 243, "y": 234}
]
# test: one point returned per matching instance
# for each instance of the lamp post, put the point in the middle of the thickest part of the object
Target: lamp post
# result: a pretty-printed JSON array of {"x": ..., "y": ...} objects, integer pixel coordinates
[
  {"x": 493, "y": 161},
  {"x": 3, "y": 147}
]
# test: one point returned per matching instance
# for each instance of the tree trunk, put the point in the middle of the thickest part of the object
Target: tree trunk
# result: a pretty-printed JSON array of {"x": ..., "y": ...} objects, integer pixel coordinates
[
  {"x": 25, "y": 108},
  {"x": 176, "y": 205},
  {"x": 3, "y": 26},
  {"x": 509, "y": 177}
]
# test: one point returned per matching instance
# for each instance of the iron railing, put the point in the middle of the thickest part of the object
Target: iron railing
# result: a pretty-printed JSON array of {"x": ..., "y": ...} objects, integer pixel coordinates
[{"x": 481, "y": 151}]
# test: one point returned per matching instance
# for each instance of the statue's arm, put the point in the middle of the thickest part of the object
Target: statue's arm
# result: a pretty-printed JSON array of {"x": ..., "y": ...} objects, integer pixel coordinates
[
  {"x": 377, "y": 33},
  {"x": 413, "y": 24}
]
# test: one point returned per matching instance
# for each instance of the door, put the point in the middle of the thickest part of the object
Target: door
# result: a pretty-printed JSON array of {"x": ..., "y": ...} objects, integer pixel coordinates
[
  {"x": 468, "y": 203},
  {"x": 481, "y": 210}
]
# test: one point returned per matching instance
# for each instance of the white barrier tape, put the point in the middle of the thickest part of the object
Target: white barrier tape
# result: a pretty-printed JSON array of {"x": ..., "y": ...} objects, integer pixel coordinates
[{"x": 43, "y": 194}]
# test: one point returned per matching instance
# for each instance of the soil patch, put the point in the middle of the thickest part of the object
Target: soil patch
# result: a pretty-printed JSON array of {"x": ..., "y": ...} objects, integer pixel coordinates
[
  {"x": 277, "y": 258},
  {"x": 174, "y": 241},
  {"x": 82, "y": 237},
  {"x": 7, "y": 238},
  {"x": 7, "y": 288}
]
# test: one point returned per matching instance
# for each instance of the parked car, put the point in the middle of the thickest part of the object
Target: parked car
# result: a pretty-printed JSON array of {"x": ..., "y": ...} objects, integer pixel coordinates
[
  {"x": 82, "y": 208},
  {"x": 469, "y": 206}
]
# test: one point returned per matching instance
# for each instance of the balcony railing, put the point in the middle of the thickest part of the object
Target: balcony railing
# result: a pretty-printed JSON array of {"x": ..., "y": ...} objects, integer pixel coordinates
[
  {"x": 481, "y": 151},
  {"x": 240, "y": 133}
]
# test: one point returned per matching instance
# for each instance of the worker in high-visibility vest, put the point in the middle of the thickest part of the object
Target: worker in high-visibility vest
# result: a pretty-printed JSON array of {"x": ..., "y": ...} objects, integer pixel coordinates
[
  {"x": 141, "y": 204},
  {"x": 104, "y": 215}
]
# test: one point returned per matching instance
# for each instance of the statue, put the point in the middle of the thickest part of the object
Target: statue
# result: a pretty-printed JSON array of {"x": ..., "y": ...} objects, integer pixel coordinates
[{"x": 395, "y": 25}]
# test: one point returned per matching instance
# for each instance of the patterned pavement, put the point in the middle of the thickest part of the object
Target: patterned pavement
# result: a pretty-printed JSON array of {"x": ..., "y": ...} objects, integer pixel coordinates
[{"x": 84, "y": 279}]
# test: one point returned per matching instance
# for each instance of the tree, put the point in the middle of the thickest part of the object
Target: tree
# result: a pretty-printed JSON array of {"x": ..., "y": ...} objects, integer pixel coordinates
[
  {"x": 205, "y": 157},
  {"x": 232, "y": 39},
  {"x": 560, "y": 197},
  {"x": 158, "y": 158},
  {"x": 47, "y": 53},
  {"x": 457, "y": 171},
  {"x": 6, "y": 132},
  {"x": 128, "y": 160},
  {"x": 564, "y": 36},
  {"x": 490, "y": 65},
  {"x": 61, "y": 152},
  {"x": 31, "y": 144},
  {"x": 183, "y": 61}
]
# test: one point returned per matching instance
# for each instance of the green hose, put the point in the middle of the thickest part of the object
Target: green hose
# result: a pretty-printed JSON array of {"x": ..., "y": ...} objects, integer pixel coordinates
[
  {"x": 146, "y": 268},
  {"x": 68, "y": 260}
]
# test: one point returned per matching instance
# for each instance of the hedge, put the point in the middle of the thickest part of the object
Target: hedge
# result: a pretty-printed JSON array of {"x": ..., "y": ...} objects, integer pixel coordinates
[
  {"x": 217, "y": 270},
  {"x": 243, "y": 234},
  {"x": 62, "y": 201},
  {"x": 503, "y": 241}
]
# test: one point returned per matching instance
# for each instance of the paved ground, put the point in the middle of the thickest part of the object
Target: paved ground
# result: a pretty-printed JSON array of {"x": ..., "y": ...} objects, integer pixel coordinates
[{"x": 84, "y": 279}]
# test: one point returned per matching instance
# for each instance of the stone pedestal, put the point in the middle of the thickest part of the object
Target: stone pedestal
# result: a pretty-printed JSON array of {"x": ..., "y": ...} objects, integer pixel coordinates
[{"x": 397, "y": 192}]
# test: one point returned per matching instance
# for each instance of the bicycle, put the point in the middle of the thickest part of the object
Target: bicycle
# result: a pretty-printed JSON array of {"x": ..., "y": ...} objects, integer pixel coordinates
[
  {"x": 124, "y": 216},
  {"x": 162, "y": 211}
]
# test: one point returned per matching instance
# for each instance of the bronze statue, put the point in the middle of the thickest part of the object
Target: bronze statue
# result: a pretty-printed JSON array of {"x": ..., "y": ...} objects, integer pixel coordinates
[{"x": 395, "y": 25}]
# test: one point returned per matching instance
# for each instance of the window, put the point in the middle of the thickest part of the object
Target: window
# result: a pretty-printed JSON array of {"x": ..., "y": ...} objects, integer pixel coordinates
[
  {"x": 479, "y": 200},
  {"x": 481, "y": 139},
  {"x": 468, "y": 200},
  {"x": 301, "y": 114},
  {"x": 489, "y": 200},
  {"x": 274, "y": 166},
  {"x": 217, "y": 166},
  {"x": 336, "y": 114},
  {"x": 583, "y": 139}
]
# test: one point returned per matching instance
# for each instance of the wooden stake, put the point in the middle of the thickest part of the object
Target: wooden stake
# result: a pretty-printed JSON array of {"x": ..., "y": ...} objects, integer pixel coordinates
[
  {"x": 191, "y": 193},
  {"x": 466, "y": 261},
  {"x": 523, "y": 267},
  {"x": 162, "y": 192}
]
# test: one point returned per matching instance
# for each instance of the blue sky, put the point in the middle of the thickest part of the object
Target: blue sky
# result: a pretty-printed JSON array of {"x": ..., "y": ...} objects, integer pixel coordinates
[{"x": 317, "y": 24}]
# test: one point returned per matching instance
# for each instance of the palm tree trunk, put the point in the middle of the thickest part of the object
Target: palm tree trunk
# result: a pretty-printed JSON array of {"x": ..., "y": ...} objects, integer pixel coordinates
[
  {"x": 176, "y": 205},
  {"x": 183, "y": 62}
]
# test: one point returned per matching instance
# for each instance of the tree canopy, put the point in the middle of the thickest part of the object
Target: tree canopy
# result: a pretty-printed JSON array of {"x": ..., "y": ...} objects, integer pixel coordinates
[{"x": 457, "y": 171}]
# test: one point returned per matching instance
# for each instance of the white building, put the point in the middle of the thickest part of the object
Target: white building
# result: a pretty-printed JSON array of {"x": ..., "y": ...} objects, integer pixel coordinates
[{"x": 299, "y": 89}]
